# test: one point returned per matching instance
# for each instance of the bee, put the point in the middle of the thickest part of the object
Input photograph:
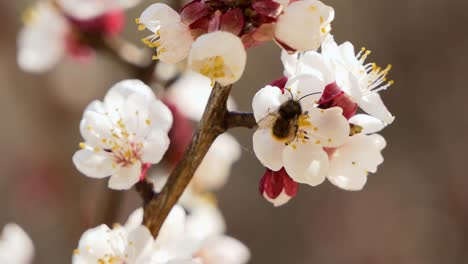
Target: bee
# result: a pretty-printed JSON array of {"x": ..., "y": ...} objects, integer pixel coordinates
[{"x": 284, "y": 121}]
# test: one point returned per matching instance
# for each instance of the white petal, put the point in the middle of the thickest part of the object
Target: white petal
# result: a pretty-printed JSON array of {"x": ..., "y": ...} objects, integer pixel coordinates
[
  {"x": 304, "y": 24},
  {"x": 15, "y": 245},
  {"x": 350, "y": 178},
  {"x": 160, "y": 116},
  {"x": 94, "y": 244},
  {"x": 204, "y": 222},
  {"x": 135, "y": 219},
  {"x": 128, "y": 3},
  {"x": 307, "y": 163},
  {"x": 190, "y": 94},
  {"x": 215, "y": 168},
  {"x": 125, "y": 177},
  {"x": 175, "y": 42},
  {"x": 290, "y": 63},
  {"x": 95, "y": 127},
  {"x": 267, "y": 149},
  {"x": 92, "y": 164},
  {"x": 379, "y": 141},
  {"x": 226, "y": 250},
  {"x": 307, "y": 88},
  {"x": 37, "y": 53},
  {"x": 139, "y": 242},
  {"x": 159, "y": 14},
  {"x": 372, "y": 104},
  {"x": 266, "y": 101},
  {"x": 155, "y": 146},
  {"x": 280, "y": 200},
  {"x": 351, "y": 162},
  {"x": 368, "y": 123},
  {"x": 126, "y": 88},
  {"x": 329, "y": 128},
  {"x": 315, "y": 63},
  {"x": 219, "y": 47},
  {"x": 173, "y": 227},
  {"x": 88, "y": 9}
]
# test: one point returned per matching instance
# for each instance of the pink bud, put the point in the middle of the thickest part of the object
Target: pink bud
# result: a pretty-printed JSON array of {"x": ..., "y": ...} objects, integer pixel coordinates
[
  {"x": 333, "y": 96},
  {"x": 267, "y": 8},
  {"x": 193, "y": 12},
  {"x": 215, "y": 21},
  {"x": 233, "y": 21},
  {"x": 277, "y": 187}
]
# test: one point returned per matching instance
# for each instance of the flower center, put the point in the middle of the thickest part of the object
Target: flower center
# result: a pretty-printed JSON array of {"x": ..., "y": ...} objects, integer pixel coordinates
[
  {"x": 374, "y": 77},
  {"x": 214, "y": 67}
]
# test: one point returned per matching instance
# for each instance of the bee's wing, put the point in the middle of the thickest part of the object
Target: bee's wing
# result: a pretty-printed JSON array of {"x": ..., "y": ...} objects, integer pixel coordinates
[{"x": 268, "y": 121}]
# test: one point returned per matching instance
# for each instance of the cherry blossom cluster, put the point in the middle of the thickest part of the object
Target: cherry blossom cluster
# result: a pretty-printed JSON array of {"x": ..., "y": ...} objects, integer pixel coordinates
[
  {"x": 194, "y": 238},
  {"x": 319, "y": 121},
  {"x": 213, "y": 34},
  {"x": 328, "y": 138}
]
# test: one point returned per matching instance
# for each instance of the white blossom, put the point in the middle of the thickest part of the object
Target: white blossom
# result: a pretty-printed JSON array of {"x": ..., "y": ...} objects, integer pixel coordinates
[
  {"x": 220, "y": 56},
  {"x": 126, "y": 131},
  {"x": 197, "y": 236},
  {"x": 304, "y": 157},
  {"x": 89, "y": 9},
  {"x": 362, "y": 81},
  {"x": 351, "y": 162},
  {"x": 304, "y": 25},
  {"x": 215, "y": 168},
  {"x": 41, "y": 42},
  {"x": 15, "y": 245},
  {"x": 171, "y": 38}
]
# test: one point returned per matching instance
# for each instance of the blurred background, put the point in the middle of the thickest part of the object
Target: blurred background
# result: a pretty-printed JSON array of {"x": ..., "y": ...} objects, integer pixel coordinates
[{"x": 414, "y": 210}]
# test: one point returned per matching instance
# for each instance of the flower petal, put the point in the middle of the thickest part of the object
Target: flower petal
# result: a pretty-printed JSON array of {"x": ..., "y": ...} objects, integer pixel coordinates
[
  {"x": 267, "y": 149},
  {"x": 139, "y": 242},
  {"x": 92, "y": 164},
  {"x": 157, "y": 15},
  {"x": 155, "y": 146},
  {"x": 372, "y": 104},
  {"x": 306, "y": 163},
  {"x": 125, "y": 177},
  {"x": 267, "y": 100},
  {"x": 368, "y": 123},
  {"x": 328, "y": 126}
]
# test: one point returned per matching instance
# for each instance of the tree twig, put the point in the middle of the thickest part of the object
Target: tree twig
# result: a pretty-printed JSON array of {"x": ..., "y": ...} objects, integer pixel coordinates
[
  {"x": 211, "y": 126},
  {"x": 240, "y": 119}
]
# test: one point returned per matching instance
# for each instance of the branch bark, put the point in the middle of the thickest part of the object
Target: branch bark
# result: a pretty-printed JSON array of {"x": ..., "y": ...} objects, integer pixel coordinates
[
  {"x": 240, "y": 119},
  {"x": 211, "y": 126}
]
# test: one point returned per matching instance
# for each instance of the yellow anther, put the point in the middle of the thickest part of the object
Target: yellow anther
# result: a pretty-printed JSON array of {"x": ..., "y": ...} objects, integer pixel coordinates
[
  {"x": 141, "y": 27},
  {"x": 392, "y": 82},
  {"x": 155, "y": 57},
  {"x": 312, "y": 8},
  {"x": 137, "y": 21},
  {"x": 323, "y": 30},
  {"x": 76, "y": 252},
  {"x": 148, "y": 122},
  {"x": 82, "y": 145},
  {"x": 330, "y": 140},
  {"x": 294, "y": 146},
  {"x": 97, "y": 149},
  {"x": 317, "y": 141},
  {"x": 322, "y": 19}
]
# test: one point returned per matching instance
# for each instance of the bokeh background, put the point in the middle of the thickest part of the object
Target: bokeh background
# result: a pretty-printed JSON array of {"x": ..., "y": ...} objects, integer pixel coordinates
[{"x": 414, "y": 210}]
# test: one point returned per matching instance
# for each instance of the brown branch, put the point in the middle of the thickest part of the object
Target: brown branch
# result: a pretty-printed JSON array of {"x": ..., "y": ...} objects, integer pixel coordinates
[
  {"x": 211, "y": 126},
  {"x": 240, "y": 119}
]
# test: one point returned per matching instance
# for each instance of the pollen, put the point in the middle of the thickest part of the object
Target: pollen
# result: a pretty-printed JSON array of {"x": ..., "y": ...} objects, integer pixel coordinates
[{"x": 214, "y": 68}]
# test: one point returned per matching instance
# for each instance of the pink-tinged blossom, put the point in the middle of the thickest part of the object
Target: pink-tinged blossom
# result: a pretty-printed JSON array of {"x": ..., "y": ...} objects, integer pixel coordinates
[{"x": 123, "y": 134}]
